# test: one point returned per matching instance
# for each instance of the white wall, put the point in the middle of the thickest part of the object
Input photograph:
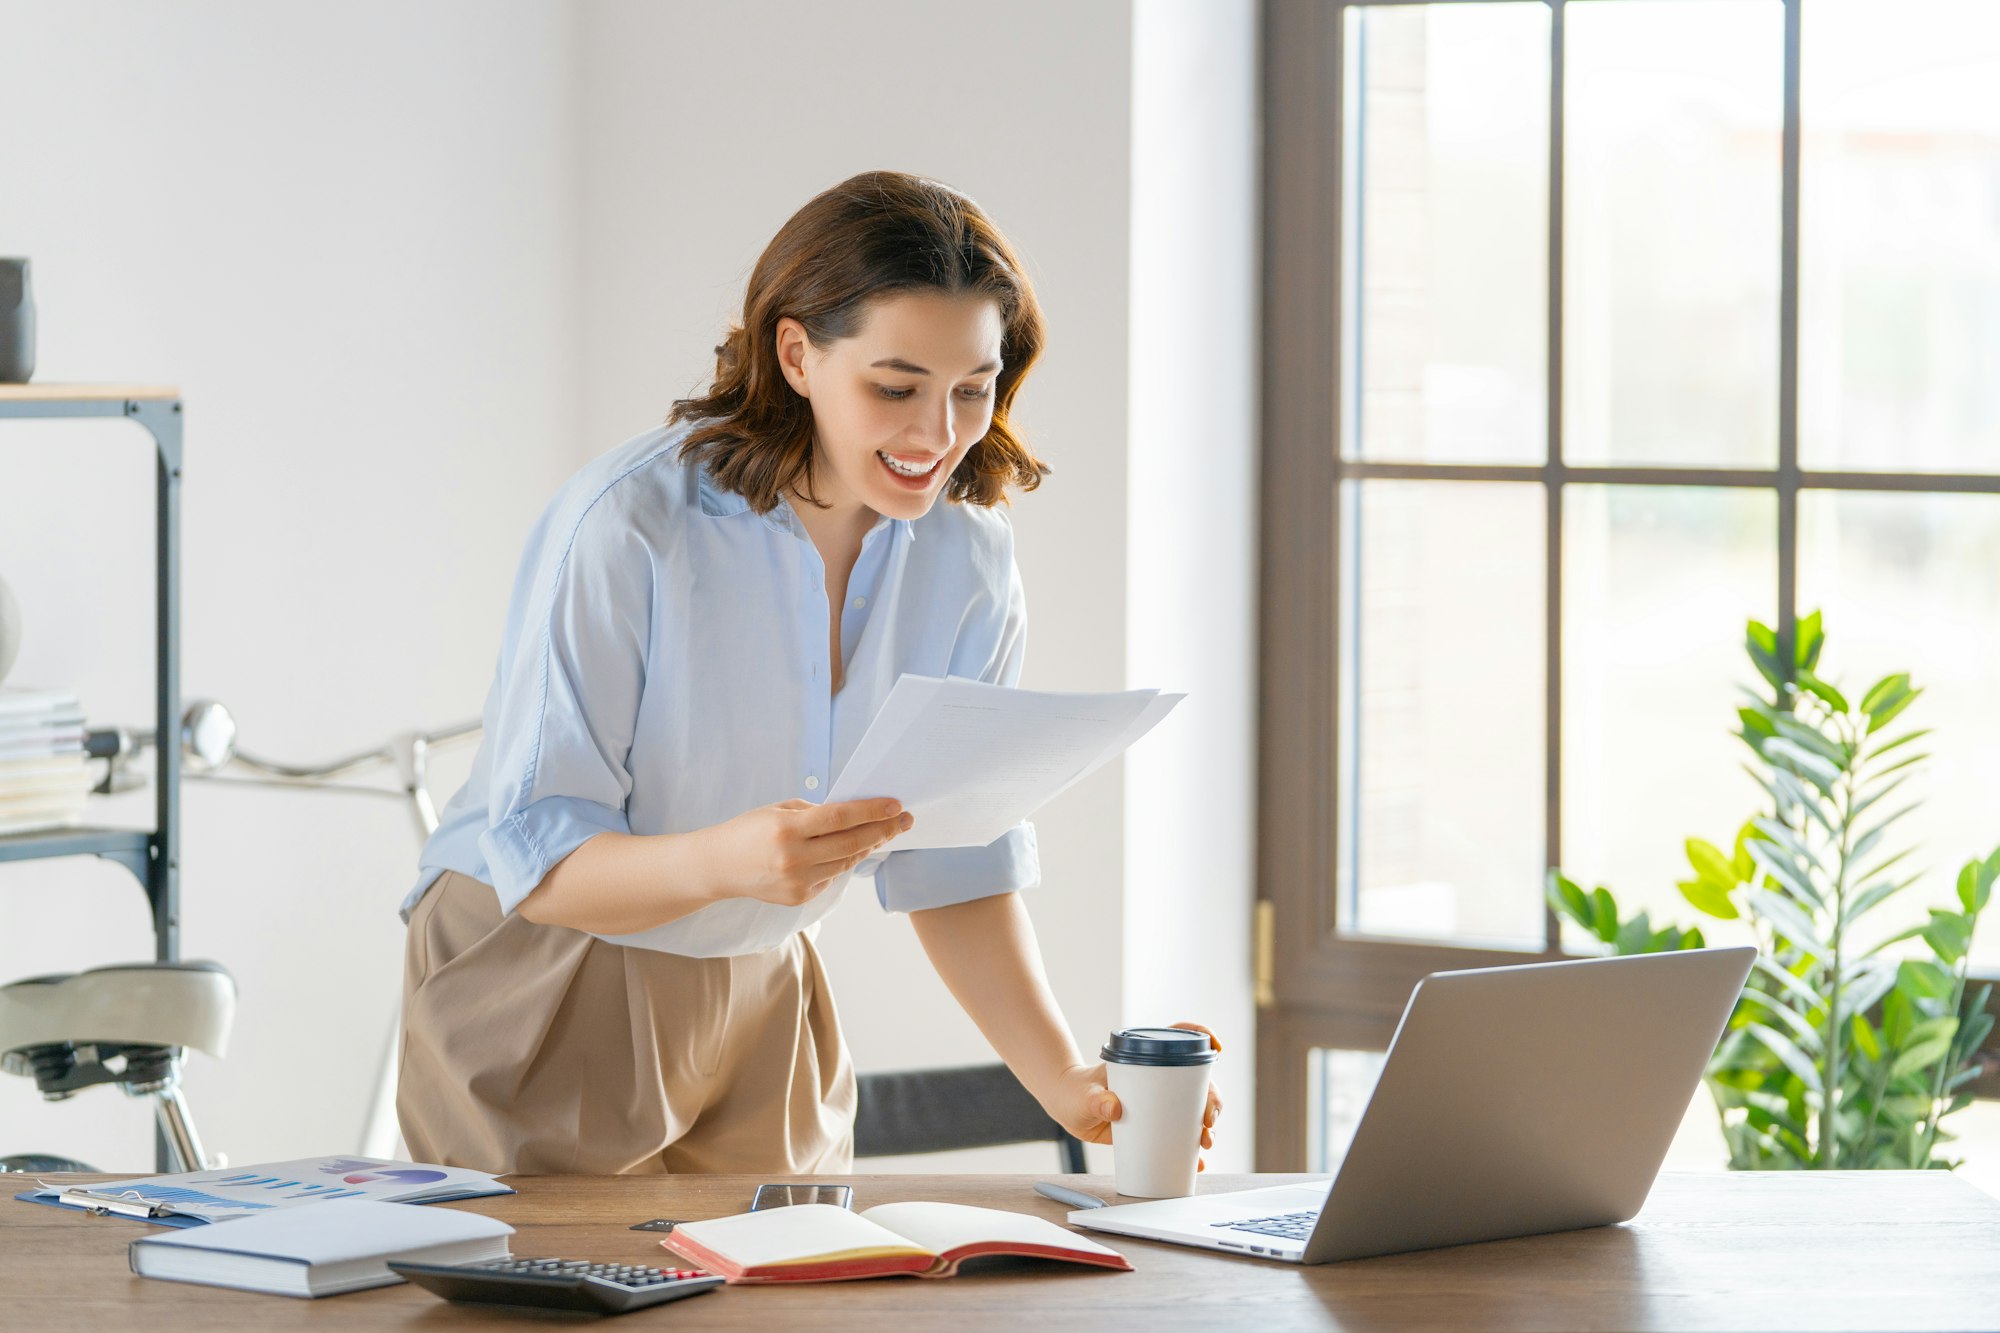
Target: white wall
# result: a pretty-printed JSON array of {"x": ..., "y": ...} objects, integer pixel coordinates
[
  {"x": 1191, "y": 587},
  {"x": 412, "y": 265},
  {"x": 346, "y": 231}
]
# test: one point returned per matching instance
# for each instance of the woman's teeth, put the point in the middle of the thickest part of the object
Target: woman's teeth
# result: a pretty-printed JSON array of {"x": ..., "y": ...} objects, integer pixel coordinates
[{"x": 900, "y": 468}]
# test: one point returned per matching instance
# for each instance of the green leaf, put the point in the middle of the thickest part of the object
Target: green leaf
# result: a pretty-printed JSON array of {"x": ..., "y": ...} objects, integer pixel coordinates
[
  {"x": 1771, "y": 831},
  {"x": 1803, "y": 1032},
  {"x": 1787, "y": 874},
  {"x": 1898, "y": 938},
  {"x": 1801, "y": 796},
  {"x": 1882, "y": 690},
  {"x": 1861, "y": 806},
  {"x": 1898, "y": 1017},
  {"x": 1922, "y": 979},
  {"x": 1790, "y": 922},
  {"x": 1948, "y": 934},
  {"x": 1762, "y": 644},
  {"x": 1568, "y": 898},
  {"x": 1756, "y": 726},
  {"x": 1888, "y": 712},
  {"x": 1865, "y": 1039},
  {"x": 1715, "y": 876},
  {"x": 1924, "y": 1051},
  {"x": 1810, "y": 638},
  {"x": 1874, "y": 872},
  {"x": 1709, "y": 862},
  {"x": 1825, "y": 692},
  {"x": 1866, "y": 842},
  {"x": 1814, "y": 769},
  {"x": 1788, "y": 1053},
  {"x": 1804, "y": 996},
  {"x": 1867, "y": 983},
  {"x": 1868, "y": 899},
  {"x": 1634, "y": 935},
  {"x": 1903, "y": 739},
  {"x": 1704, "y": 897},
  {"x": 1810, "y": 738},
  {"x": 1604, "y": 914},
  {"x": 1906, "y": 762},
  {"x": 1691, "y": 938},
  {"x": 1975, "y": 887}
]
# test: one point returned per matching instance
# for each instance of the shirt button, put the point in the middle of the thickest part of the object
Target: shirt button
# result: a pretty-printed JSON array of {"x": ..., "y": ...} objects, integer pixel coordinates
[
  {"x": 812, "y": 783},
  {"x": 860, "y": 602}
]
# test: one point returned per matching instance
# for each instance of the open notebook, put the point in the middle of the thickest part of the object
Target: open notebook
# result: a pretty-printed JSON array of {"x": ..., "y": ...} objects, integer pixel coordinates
[{"x": 817, "y": 1242}]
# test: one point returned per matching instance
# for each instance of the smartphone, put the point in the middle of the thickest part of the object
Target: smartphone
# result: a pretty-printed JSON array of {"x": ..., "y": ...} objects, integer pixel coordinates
[{"x": 780, "y": 1196}]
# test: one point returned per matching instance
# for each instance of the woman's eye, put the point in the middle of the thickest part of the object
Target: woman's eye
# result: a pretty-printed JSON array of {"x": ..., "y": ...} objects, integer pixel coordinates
[
  {"x": 975, "y": 395},
  {"x": 893, "y": 395}
]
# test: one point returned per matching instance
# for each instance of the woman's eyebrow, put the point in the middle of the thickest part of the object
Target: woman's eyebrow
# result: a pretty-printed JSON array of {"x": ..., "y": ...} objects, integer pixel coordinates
[{"x": 897, "y": 363}]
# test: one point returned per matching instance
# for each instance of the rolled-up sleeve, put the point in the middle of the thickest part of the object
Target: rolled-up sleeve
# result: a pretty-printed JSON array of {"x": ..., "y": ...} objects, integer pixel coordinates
[
  {"x": 568, "y": 700},
  {"x": 941, "y": 876}
]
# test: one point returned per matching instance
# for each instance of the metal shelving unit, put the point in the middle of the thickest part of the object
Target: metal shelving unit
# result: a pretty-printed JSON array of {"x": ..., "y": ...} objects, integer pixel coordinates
[{"x": 152, "y": 857}]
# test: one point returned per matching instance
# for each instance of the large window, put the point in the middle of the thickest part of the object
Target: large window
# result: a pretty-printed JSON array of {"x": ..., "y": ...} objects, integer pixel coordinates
[{"x": 1593, "y": 329}]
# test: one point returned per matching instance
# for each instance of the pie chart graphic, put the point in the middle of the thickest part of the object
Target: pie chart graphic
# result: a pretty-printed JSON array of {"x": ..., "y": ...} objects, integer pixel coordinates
[{"x": 405, "y": 1177}]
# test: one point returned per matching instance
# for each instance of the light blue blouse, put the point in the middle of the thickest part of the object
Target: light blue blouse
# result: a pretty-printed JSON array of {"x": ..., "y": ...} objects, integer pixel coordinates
[{"x": 664, "y": 668}]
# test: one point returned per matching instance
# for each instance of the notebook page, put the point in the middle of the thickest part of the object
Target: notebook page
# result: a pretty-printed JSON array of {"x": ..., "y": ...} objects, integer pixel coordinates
[
  {"x": 944, "y": 1227},
  {"x": 802, "y": 1233}
]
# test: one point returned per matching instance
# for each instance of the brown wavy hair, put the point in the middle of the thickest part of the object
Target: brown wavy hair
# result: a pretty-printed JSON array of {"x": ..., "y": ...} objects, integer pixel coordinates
[{"x": 871, "y": 236}]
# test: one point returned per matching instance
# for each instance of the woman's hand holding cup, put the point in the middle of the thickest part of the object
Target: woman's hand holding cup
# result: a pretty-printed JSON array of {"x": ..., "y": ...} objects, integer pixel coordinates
[{"x": 1151, "y": 1161}]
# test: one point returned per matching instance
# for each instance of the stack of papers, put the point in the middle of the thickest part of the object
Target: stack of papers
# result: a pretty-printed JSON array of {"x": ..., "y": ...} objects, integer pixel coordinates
[
  {"x": 191, "y": 1198},
  {"x": 344, "y": 1246},
  {"x": 971, "y": 761},
  {"x": 43, "y": 780}
]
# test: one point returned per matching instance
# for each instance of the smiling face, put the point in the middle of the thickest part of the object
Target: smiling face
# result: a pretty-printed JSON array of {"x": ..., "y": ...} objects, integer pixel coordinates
[{"x": 896, "y": 406}]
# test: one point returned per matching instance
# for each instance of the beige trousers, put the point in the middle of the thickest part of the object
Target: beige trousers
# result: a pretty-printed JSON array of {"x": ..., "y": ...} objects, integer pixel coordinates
[{"x": 543, "y": 1050}]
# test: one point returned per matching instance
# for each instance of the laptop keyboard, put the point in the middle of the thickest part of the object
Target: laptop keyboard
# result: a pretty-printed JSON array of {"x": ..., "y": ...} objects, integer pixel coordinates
[{"x": 1287, "y": 1226}]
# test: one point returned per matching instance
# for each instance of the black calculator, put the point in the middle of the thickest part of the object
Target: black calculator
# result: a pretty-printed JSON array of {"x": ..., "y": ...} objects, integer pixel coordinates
[{"x": 559, "y": 1284}]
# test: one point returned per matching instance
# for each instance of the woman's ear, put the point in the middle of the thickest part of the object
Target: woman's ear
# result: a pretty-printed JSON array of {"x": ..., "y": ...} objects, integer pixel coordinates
[{"x": 792, "y": 346}]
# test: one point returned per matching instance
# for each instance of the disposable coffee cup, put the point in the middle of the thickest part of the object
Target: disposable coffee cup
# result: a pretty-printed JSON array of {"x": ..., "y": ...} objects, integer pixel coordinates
[{"x": 1160, "y": 1076}]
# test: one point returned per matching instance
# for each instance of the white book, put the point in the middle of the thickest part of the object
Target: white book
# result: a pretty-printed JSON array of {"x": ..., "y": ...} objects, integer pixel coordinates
[
  {"x": 40, "y": 823},
  {"x": 340, "y": 1246},
  {"x": 73, "y": 786},
  {"x": 15, "y": 699}
]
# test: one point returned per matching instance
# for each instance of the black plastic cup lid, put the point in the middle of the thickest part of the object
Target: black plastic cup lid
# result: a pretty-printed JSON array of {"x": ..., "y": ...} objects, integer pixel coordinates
[{"x": 1158, "y": 1046}]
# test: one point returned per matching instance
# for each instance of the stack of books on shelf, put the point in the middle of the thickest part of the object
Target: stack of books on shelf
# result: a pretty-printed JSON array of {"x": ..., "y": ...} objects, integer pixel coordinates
[{"x": 43, "y": 778}]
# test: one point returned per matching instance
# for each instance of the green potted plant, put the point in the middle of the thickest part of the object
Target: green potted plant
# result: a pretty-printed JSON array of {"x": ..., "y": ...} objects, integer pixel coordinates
[{"x": 1843, "y": 1052}]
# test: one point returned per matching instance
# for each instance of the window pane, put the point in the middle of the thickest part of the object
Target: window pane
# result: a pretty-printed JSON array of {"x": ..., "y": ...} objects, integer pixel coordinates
[
  {"x": 1657, "y": 585},
  {"x": 1672, "y": 124},
  {"x": 1441, "y": 776},
  {"x": 1907, "y": 583},
  {"x": 1338, "y": 1086},
  {"x": 1899, "y": 236},
  {"x": 1446, "y": 233}
]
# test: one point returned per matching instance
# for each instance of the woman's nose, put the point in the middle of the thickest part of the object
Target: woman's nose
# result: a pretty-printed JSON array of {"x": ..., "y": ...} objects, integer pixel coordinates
[{"x": 935, "y": 427}]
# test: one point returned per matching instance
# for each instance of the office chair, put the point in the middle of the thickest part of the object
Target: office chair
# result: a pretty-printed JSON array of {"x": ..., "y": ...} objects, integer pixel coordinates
[{"x": 942, "y": 1110}]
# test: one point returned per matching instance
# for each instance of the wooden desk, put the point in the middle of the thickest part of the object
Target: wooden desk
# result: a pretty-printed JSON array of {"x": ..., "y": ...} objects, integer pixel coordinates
[{"x": 1882, "y": 1250}]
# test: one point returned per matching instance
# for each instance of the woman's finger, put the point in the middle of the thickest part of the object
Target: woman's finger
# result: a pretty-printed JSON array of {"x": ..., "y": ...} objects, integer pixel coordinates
[{"x": 1213, "y": 1040}]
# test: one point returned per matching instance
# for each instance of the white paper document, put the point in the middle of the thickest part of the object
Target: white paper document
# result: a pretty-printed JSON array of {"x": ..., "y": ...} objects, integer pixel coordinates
[{"x": 970, "y": 760}]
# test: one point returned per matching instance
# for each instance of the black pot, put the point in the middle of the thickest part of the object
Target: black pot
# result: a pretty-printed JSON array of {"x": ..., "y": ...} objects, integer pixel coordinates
[{"x": 17, "y": 323}]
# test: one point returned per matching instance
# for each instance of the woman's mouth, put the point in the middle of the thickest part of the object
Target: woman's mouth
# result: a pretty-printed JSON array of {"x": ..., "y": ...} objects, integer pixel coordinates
[{"x": 912, "y": 473}]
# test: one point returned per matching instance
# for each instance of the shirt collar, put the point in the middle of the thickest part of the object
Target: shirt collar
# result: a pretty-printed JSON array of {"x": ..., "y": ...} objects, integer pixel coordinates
[
  {"x": 715, "y": 500},
  {"x": 720, "y": 503}
]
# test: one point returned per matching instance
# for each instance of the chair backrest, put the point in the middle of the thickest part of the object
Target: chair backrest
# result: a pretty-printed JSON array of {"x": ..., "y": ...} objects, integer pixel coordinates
[{"x": 943, "y": 1110}]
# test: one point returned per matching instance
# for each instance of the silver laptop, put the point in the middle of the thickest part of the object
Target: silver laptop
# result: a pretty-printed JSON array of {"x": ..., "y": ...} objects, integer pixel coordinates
[{"x": 1514, "y": 1100}]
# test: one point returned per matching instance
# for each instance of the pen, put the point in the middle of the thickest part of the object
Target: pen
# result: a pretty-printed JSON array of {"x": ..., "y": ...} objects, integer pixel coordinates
[{"x": 1063, "y": 1194}]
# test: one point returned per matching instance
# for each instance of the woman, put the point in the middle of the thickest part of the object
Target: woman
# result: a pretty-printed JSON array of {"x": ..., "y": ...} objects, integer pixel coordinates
[{"x": 610, "y": 964}]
